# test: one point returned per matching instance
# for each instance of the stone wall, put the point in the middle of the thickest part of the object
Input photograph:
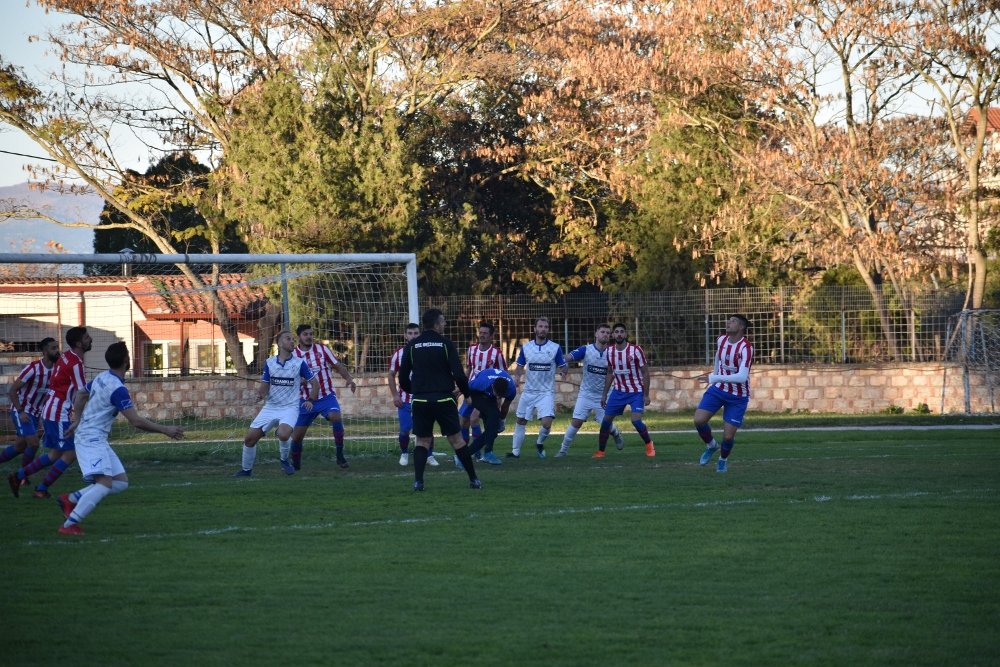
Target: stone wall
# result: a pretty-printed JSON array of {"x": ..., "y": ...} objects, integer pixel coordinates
[{"x": 827, "y": 388}]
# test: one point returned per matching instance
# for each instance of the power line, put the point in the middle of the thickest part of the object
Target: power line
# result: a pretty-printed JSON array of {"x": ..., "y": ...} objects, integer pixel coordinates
[{"x": 33, "y": 157}]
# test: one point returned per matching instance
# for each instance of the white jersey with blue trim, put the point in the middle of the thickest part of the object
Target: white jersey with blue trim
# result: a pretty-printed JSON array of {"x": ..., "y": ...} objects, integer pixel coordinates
[
  {"x": 540, "y": 363},
  {"x": 107, "y": 397},
  {"x": 595, "y": 368},
  {"x": 285, "y": 378}
]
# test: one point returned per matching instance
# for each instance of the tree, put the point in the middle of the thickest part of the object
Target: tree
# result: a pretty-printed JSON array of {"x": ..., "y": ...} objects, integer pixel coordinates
[
  {"x": 953, "y": 46},
  {"x": 172, "y": 189}
]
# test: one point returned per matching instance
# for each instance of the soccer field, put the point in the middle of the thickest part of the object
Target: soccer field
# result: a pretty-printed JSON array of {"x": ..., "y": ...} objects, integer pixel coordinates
[{"x": 822, "y": 548}]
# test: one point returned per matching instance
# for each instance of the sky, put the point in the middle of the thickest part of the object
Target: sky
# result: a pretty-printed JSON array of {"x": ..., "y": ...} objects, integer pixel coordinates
[{"x": 19, "y": 21}]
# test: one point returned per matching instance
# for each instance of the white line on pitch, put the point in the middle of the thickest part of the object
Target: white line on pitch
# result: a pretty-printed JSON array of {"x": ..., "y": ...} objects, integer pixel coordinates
[{"x": 598, "y": 509}]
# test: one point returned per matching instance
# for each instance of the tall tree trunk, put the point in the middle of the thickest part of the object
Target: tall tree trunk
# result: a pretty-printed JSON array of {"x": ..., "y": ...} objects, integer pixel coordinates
[{"x": 874, "y": 285}]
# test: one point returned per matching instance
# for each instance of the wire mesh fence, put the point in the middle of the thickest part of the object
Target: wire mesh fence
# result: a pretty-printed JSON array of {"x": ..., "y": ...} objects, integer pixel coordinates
[{"x": 788, "y": 325}]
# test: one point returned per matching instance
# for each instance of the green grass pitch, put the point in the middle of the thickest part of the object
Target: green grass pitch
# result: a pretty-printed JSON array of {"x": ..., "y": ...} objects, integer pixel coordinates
[{"x": 836, "y": 547}]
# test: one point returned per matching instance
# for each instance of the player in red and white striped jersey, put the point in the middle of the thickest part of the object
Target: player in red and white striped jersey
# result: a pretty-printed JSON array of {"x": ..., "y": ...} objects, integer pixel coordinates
[
  {"x": 67, "y": 378},
  {"x": 401, "y": 399},
  {"x": 629, "y": 375},
  {"x": 26, "y": 395},
  {"x": 483, "y": 355},
  {"x": 323, "y": 363},
  {"x": 728, "y": 388}
]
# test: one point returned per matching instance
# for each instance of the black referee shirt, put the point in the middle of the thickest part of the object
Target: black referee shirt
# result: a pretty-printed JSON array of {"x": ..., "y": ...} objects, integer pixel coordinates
[{"x": 435, "y": 366}]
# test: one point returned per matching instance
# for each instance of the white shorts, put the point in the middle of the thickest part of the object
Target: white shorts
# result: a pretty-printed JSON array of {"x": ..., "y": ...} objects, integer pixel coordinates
[
  {"x": 541, "y": 403},
  {"x": 95, "y": 457},
  {"x": 585, "y": 404},
  {"x": 268, "y": 418}
]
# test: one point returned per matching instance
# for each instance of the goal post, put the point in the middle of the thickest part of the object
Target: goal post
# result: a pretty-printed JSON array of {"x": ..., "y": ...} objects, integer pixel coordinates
[{"x": 200, "y": 326}]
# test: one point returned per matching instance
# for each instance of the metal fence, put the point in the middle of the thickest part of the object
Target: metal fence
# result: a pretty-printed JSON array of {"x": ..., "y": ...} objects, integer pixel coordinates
[{"x": 788, "y": 325}]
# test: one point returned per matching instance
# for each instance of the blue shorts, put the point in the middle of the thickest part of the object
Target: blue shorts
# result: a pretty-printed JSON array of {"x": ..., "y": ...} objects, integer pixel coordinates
[
  {"x": 405, "y": 415},
  {"x": 466, "y": 409},
  {"x": 323, "y": 406},
  {"x": 733, "y": 407},
  {"x": 55, "y": 438},
  {"x": 23, "y": 430},
  {"x": 617, "y": 400}
]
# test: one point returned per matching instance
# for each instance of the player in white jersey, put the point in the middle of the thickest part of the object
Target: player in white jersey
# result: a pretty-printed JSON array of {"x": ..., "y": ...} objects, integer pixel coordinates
[
  {"x": 537, "y": 361},
  {"x": 284, "y": 374},
  {"x": 482, "y": 356},
  {"x": 728, "y": 389},
  {"x": 95, "y": 407},
  {"x": 593, "y": 359},
  {"x": 322, "y": 362},
  {"x": 26, "y": 396}
]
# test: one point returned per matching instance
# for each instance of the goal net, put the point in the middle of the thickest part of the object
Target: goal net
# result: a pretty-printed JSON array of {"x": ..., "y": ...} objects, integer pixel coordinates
[
  {"x": 199, "y": 329},
  {"x": 975, "y": 344}
]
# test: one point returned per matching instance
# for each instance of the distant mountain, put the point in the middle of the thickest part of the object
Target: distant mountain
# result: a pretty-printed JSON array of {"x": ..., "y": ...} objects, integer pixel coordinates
[{"x": 18, "y": 235}]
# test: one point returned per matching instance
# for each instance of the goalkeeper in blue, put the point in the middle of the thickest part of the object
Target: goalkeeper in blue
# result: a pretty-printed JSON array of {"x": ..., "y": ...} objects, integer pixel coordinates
[{"x": 491, "y": 393}]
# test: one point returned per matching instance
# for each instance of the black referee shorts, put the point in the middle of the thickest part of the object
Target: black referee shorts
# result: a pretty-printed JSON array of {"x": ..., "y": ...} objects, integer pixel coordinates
[{"x": 444, "y": 411}]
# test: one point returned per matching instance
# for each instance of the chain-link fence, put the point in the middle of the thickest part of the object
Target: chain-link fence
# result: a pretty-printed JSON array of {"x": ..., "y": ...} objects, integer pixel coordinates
[{"x": 788, "y": 325}]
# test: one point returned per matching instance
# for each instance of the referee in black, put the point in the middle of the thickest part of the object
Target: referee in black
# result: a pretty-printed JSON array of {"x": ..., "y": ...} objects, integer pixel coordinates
[{"x": 429, "y": 371}]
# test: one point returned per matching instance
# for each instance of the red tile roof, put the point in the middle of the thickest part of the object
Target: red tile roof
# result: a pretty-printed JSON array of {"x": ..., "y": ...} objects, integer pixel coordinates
[
  {"x": 175, "y": 295},
  {"x": 992, "y": 120},
  {"x": 161, "y": 297}
]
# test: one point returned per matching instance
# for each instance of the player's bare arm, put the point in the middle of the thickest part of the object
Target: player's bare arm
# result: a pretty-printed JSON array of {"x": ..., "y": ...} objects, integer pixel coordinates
[
  {"x": 346, "y": 374},
  {"x": 12, "y": 395},
  {"x": 608, "y": 381},
  {"x": 646, "y": 398},
  {"x": 394, "y": 389},
  {"x": 140, "y": 422},
  {"x": 79, "y": 403}
]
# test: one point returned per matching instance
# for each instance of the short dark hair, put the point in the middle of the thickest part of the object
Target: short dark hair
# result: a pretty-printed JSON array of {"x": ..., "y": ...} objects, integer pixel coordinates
[
  {"x": 411, "y": 325},
  {"x": 743, "y": 319},
  {"x": 116, "y": 355},
  {"x": 75, "y": 335},
  {"x": 499, "y": 386},
  {"x": 302, "y": 327},
  {"x": 619, "y": 325},
  {"x": 430, "y": 317},
  {"x": 45, "y": 343},
  {"x": 488, "y": 325}
]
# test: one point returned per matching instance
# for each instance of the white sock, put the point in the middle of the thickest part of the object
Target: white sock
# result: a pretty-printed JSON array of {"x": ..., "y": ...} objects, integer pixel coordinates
[
  {"x": 249, "y": 454},
  {"x": 519, "y": 432},
  {"x": 283, "y": 448},
  {"x": 614, "y": 431},
  {"x": 542, "y": 434},
  {"x": 88, "y": 501},
  {"x": 117, "y": 485},
  {"x": 713, "y": 444},
  {"x": 76, "y": 495},
  {"x": 571, "y": 432}
]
